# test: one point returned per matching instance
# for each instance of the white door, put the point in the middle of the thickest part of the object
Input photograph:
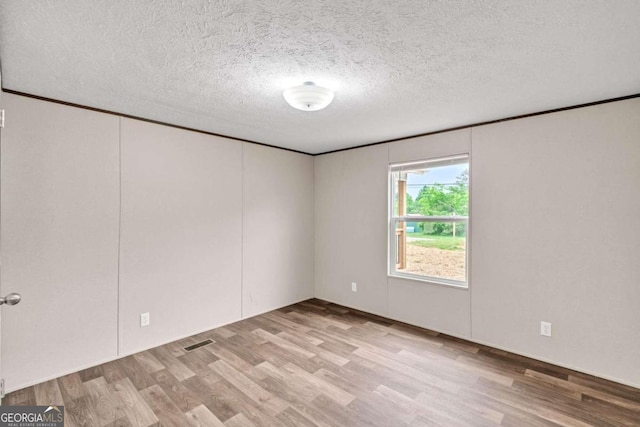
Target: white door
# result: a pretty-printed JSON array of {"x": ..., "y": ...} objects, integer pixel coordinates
[{"x": 12, "y": 298}]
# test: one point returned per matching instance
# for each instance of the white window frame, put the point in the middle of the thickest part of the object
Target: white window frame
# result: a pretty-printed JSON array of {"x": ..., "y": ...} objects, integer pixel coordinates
[{"x": 394, "y": 220}]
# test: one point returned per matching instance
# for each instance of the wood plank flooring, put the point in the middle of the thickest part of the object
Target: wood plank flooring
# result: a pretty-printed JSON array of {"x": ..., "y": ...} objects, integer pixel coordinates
[{"x": 320, "y": 364}]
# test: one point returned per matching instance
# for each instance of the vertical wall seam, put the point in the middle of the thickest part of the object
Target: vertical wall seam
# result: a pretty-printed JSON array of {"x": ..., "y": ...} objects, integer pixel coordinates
[
  {"x": 118, "y": 335},
  {"x": 313, "y": 223},
  {"x": 242, "y": 173},
  {"x": 344, "y": 281}
]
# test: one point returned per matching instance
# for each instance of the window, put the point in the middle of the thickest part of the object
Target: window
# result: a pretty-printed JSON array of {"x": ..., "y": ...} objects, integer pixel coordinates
[{"x": 429, "y": 216}]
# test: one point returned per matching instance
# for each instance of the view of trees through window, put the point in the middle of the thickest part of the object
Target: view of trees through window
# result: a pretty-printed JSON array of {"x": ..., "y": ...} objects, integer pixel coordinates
[{"x": 431, "y": 220}]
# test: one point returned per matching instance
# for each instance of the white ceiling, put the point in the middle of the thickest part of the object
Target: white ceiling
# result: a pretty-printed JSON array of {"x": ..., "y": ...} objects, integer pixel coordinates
[{"x": 398, "y": 68}]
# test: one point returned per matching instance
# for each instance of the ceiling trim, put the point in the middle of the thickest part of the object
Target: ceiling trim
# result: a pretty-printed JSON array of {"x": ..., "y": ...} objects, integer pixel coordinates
[
  {"x": 506, "y": 119},
  {"x": 158, "y": 122},
  {"x": 490, "y": 122}
]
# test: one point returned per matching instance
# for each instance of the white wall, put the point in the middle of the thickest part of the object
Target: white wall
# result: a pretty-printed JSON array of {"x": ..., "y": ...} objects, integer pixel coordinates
[
  {"x": 553, "y": 203},
  {"x": 75, "y": 183},
  {"x": 181, "y": 244},
  {"x": 351, "y": 236},
  {"x": 329, "y": 215},
  {"x": 278, "y": 229},
  {"x": 60, "y": 193},
  {"x": 556, "y": 204},
  {"x": 351, "y": 230},
  {"x": 59, "y": 219}
]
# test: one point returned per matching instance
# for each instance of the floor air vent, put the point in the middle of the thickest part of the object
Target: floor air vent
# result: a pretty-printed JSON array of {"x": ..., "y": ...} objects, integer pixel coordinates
[{"x": 198, "y": 345}]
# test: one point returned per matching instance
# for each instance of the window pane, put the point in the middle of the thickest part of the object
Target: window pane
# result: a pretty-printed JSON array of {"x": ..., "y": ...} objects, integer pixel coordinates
[
  {"x": 424, "y": 247},
  {"x": 432, "y": 249}
]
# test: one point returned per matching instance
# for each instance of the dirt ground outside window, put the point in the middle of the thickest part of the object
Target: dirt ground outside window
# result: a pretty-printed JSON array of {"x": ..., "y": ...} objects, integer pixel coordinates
[{"x": 434, "y": 262}]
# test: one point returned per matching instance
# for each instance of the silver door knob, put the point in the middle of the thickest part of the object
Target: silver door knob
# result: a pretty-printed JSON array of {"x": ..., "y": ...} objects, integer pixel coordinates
[{"x": 11, "y": 299}]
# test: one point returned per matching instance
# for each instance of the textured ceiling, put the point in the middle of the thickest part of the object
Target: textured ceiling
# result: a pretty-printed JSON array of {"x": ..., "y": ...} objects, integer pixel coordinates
[{"x": 398, "y": 68}]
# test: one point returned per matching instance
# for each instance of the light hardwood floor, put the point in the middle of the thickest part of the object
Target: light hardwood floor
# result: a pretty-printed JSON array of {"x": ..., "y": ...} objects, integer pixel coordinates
[{"x": 320, "y": 364}]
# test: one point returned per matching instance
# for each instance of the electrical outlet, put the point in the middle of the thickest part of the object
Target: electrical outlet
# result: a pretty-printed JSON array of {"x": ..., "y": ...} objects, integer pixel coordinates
[
  {"x": 354, "y": 286},
  {"x": 545, "y": 329},
  {"x": 145, "y": 319}
]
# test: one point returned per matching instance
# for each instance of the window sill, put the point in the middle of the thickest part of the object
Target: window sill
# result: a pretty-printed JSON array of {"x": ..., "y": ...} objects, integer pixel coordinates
[{"x": 431, "y": 281}]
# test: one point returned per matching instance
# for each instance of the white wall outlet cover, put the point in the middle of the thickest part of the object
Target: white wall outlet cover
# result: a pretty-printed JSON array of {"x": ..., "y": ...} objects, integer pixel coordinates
[
  {"x": 545, "y": 329},
  {"x": 354, "y": 286},
  {"x": 145, "y": 319}
]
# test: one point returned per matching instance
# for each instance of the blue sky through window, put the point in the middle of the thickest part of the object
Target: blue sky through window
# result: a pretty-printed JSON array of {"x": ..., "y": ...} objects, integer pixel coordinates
[{"x": 438, "y": 175}]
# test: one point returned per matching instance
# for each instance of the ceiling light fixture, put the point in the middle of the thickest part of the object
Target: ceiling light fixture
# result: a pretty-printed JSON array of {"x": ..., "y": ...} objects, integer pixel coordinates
[{"x": 308, "y": 97}]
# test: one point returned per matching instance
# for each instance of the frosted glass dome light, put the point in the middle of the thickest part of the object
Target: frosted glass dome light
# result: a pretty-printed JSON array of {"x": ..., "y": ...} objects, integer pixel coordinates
[{"x": 308, "y": 97}]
